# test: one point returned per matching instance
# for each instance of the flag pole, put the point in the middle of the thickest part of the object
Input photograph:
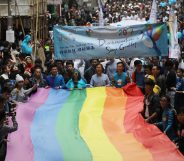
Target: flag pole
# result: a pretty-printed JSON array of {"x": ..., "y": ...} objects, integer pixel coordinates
[{"x": 101, "y": 19}]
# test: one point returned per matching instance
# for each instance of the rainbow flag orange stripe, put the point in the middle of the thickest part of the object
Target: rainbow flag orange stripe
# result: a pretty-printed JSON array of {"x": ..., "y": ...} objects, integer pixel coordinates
[{"x": 95, "y": 124}]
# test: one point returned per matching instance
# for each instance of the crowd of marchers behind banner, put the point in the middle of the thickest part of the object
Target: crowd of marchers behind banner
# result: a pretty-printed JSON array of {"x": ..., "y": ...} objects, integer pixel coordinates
[{"x": 162, "y": 82}]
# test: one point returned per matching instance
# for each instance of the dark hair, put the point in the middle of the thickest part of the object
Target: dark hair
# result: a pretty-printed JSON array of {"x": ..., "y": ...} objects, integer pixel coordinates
[
  {"x": 70, "y": 62},
  {"x": 14, "y": 46},
  {"x": 181, "y": 110},
  {"x": 38, "y": 67},
  {"x": 169, "y": 63},
  {"x": 149, "y": 82},
  {"x": 155, "y": 57},
  {"x": 121, "y": 64},
  {"x": 94, "y": 59},
  {"x": 26, "y": 76},
  {"x": 181, "y": 70},
  {"x": 167, "y": 97},
  {"x": 101, "y": 67},
  {"x": 137, "y": 62},
  {"x": 6, "y": 90},
  {"x": 53, "y": 66},
  {"x": 4, "y": 67},
  {"x": 158, "y": 67},
  {"x": 38, "y": 61},
  {"x": 59, "y": 61},
  {"x": 149, "y": 66},
  {"x": 6, "y": 44},
  {"x": 79, "y": 75}
]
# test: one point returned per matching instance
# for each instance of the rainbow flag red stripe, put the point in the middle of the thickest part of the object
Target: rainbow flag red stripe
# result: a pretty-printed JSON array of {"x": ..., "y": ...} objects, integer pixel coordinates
[{"x": 95, "y": 124}]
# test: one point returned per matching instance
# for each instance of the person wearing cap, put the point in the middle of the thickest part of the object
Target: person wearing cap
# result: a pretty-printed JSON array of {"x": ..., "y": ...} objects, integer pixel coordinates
[
  {"x": 138, "y": 75},
  {"x": 19, "y": 94}
]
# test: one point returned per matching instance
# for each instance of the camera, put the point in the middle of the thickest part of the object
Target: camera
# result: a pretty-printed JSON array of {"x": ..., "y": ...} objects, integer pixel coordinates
[{"x": 11, "y": 109}]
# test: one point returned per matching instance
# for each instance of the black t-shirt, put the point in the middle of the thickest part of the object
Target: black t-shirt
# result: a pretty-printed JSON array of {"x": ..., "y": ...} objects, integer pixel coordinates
[{"x": 170, "y": 80}]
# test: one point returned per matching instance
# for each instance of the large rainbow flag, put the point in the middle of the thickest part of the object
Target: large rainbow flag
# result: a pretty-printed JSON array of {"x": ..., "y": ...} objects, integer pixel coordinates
[{"x": 95, "y": 124}]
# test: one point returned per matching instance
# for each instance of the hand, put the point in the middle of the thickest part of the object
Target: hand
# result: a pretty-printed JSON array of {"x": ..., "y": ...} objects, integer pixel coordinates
[
  {"x": 5, "y": 140},
  {"x": 51, "y": 61},
  {"x": 173, "y": 88},
  {"x": 178, "y": 133},
  {"x": 58, "y": 87},
  {"x": 6, "y": 122},
  {"x": 13, "y": 111},
  {"x": 147, "y": 120},
  {"x": 128, "y": 79},
  {"x": 123, "y": 60},
  {"x": 28, "y": 73},
  {"x": 182, "y": 133},
  {"x": 181, "y": 92},
  {"x": 13, "y": 104},
  {"x": 34, "y": 87},
  {"x": 47, "y": 87}
]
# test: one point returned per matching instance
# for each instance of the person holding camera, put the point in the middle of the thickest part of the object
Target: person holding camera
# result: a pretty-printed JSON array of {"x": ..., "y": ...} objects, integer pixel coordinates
[{"x": 7, "y": 109}]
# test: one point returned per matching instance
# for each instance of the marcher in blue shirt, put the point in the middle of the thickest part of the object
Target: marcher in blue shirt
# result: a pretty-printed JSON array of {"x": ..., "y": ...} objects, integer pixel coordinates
[
  {"x": 120, "y": 78},
  {"x": 168, "y": 123},
  {"x": 76, "y": 82},
  {"x": 55, "y": 80}
]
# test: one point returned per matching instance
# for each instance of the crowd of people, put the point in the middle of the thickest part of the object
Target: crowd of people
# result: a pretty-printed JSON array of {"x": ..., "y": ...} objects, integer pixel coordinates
[
  {"x": 117, "y": 10},
  {"x": 161, "y": 80}
]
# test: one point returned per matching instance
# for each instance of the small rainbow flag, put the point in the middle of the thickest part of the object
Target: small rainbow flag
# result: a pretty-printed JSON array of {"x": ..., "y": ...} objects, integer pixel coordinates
[{"x": 95, "y": 124}]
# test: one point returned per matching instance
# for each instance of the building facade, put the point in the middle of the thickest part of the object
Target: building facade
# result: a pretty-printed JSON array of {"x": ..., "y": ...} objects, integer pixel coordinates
[{"x": 27, "y": 15}]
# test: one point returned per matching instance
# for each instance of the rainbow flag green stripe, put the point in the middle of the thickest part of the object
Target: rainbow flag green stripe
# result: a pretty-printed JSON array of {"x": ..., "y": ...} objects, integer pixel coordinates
[
  {"x": 68, "y": 133},
  {"x": 95, "y": 124}
]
